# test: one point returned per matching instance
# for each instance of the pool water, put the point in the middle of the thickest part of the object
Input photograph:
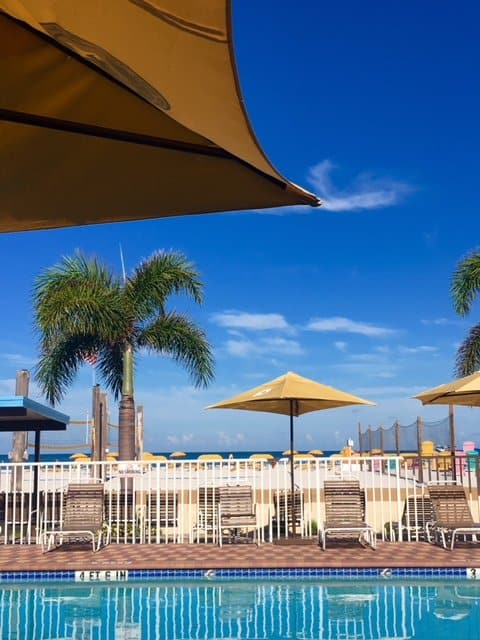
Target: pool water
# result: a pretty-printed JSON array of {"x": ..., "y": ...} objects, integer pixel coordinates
[{"x": 270, "y": 610}]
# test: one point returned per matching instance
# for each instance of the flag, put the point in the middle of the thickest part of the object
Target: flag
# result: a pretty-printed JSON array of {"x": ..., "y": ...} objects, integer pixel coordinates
[{"x": 91, "y": 357}]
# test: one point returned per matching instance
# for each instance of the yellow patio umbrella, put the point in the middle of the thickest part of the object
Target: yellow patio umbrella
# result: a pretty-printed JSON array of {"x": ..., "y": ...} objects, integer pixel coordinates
[
  {"x": 303, "y": 456},
  {"x": 261, "y": 456},
  {"x": 81, "y": 459},
  {"x": 210, "y": 457},
  {"x": 117, "y": 110},
  {"x": 291, "y": 395},
  {"x": 178, "y": 454},
  {"x": 289, "y": 452},
  {"x": 464, "y": 391},
  {"x": 316, "y": 452},
  {"x": 74, "y": 456}
]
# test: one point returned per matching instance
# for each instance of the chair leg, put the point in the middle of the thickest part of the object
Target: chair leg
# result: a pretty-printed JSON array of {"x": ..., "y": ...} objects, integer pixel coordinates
[{"x": 322, "y": 540}]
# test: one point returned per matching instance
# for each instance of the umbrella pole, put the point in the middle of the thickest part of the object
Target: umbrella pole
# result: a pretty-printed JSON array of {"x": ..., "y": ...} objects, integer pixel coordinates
[{"x": 292, "y": 481}]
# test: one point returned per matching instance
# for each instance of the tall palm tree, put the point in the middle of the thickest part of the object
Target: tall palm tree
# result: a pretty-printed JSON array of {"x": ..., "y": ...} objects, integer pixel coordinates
[
  {"x": 465, "y": 288},
  {"x": 82, "y": 309}
]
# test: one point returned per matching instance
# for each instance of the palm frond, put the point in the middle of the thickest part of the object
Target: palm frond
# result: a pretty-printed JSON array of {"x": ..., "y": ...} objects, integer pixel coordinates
[
  {"x": 60, "y": 359},
  {"x": 78, "y": 295},
  {"x": 110, "y": 366},
  {"x": 468, "y": 354},
  {"x": 178, "y": 337},
  {"x": 156, "y": 279},
  {"x": 466, "y": 283}
]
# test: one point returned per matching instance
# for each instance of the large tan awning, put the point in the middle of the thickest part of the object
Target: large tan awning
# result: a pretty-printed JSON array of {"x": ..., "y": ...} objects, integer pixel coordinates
[{"x": 122, "y": 110}]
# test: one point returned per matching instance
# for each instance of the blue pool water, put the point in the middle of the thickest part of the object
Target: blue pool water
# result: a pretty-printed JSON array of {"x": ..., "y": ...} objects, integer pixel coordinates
[{"x": 224, "y": 609}]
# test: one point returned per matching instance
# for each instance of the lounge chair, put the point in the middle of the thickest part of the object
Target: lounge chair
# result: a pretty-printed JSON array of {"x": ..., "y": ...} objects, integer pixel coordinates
[
  {"x": 417, "y": 513},
  {"x": 451, "y": 515},
  {"x": 236, "y": 512},
  {"x": 344, "y": 513},
  {"x": 83, "y": 518}
]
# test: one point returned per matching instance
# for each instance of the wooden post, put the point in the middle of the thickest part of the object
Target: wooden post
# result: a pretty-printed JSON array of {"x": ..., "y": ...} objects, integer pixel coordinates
[
  {"x": 453, "y": 444},
  {"x": 397, "y": 437},
  {"x": 20, "y": 438},
  {"x": 103, "y": 424},
  {"x": 451, "y": 423}
]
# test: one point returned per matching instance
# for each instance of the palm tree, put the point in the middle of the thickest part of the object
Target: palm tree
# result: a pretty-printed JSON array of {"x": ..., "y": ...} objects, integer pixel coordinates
[
  {"x": 82, "y": 310},
  {"x": 465, "y": 288}
]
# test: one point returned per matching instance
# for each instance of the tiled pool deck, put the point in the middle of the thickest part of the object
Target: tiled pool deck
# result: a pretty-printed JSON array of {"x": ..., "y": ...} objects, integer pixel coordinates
[{"x": 244, "y": 556}]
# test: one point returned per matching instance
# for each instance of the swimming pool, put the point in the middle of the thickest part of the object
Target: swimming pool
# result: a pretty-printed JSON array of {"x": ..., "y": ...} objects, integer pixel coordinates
[{"x": 243, "y": 609}]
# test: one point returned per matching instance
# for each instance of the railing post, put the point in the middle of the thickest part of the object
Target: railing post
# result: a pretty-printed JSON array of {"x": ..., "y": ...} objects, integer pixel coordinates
[{"x": 419, "y": 447}]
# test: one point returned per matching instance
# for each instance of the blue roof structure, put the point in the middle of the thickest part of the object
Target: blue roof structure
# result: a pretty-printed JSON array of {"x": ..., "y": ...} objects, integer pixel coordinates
[{"x": 19, "y": 413}]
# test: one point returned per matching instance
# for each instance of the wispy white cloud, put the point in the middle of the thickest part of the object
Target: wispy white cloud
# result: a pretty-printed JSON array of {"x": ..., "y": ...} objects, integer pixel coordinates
[
  {"x": 365, "y": 192},
  {"x": 345, "y": 325},
  {"x": 250, "y": 321},
  {"x": 7, "y": 387},
  {"x": 366, "y": 357},
  {"x": 182, "y": 438},
  {"x": 266, "y": 346},
  {"x": 430, "y": 238},
  {"x": 368, "y": 369},
  {"x": 389, "y": 391},
  {"x": 231, "y": 439},
  {"x": 19, "y": 359},
  {"x": 440, "y": 322},
  {"x": 340, "y": 345},
  {"x": 417, "y": 350},
  {"x": 383, "y": 349}
]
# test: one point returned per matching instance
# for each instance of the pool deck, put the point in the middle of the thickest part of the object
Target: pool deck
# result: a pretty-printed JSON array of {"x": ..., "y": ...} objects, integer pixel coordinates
[{"x": 245, "y": 556}]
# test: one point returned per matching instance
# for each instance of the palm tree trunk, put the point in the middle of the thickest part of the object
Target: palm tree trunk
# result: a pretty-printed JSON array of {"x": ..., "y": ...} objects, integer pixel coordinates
[
  {"x": 126, "y": 428},
  {"x": 126, "y": 410}
]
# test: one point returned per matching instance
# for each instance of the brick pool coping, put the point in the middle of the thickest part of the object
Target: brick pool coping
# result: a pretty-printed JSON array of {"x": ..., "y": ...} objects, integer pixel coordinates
[{"x": 242, "y": 556}]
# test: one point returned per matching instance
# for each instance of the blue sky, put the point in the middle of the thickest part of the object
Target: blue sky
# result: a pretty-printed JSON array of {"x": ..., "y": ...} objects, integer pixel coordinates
[{"x": 373, "y": 107}]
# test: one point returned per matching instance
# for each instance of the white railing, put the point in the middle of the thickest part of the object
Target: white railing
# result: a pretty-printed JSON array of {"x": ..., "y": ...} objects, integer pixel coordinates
[{"x": 176, "y": 501}]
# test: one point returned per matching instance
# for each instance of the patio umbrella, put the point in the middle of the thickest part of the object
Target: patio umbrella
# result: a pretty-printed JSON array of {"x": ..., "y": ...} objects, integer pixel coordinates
[
  {"x": 464, "y": 391},
  {"x": 124, "y": 110},
  {"x": 291, "y": 395},
  {"x": 178, "y": 454}
]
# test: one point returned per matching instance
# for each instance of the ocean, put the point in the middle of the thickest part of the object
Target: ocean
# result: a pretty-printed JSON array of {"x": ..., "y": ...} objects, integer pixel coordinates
[{"x": 192, "y": 455}]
